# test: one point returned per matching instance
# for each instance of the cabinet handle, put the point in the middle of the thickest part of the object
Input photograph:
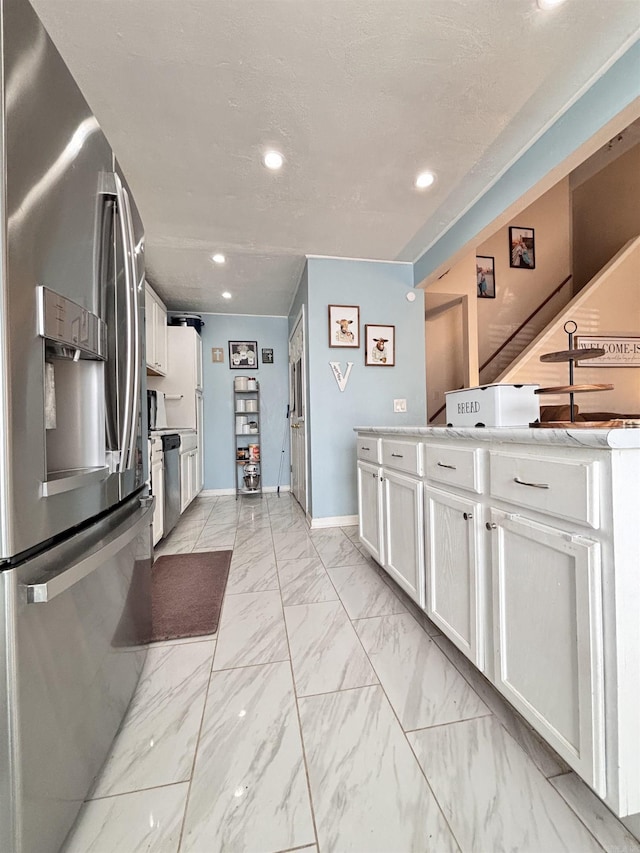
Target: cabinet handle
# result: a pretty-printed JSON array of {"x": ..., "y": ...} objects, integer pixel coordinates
[
  {"x": 467, "y": 515},
  {"x": 442, "y": 465},
  {"x": 374, "y": 476},
  {"x": 398, "y": 455},
  {"x": 364, "y": 448},
  {"x": 533, "y": 485},
  {"x": 490, "y": 525}
]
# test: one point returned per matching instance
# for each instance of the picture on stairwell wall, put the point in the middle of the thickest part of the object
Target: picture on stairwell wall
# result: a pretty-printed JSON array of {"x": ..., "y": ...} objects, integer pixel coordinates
[
  {"x": 485, "y": 271},
  {"x": 522, "y": 248}
]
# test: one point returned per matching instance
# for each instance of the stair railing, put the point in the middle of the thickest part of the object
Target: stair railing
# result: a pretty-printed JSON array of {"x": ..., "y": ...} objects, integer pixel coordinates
[{"x": 511, "y": 336}]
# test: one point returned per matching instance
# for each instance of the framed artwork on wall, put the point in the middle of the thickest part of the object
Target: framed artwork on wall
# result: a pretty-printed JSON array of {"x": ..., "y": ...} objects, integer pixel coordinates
[
  {"x": 380, "y": 343},
  {"x": 243, "y": 354},
  {"x": 344, "y": 326},
  {"x": 522, "y": 250},
  {"x": 485, "y": 271}
]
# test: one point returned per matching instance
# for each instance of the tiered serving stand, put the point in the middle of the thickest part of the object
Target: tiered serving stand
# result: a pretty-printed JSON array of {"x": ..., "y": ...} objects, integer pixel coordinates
[{"x": 571, "y": 355}]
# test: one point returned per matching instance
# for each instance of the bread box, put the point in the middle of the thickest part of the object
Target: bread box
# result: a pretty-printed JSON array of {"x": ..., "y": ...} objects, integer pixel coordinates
[{"x": 495, "y": 405}]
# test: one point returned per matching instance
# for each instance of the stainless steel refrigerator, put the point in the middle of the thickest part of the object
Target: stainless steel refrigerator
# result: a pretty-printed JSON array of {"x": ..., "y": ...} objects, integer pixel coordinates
[{"x": 75, "y": 542}]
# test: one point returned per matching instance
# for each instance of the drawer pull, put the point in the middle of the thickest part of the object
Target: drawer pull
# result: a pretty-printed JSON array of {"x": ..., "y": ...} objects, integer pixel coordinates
[
  {"x": 398, "y": 455},
  {"x": 442, "y": 465},
  {"x": 533, "y": 485},
  {"x": 365, "y": 448},
  {"x": 467, "y": 515}
]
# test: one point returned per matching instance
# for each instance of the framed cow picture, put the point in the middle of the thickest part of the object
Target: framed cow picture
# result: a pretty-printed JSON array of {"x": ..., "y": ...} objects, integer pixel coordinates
[
  {"x": 380, "y": 346},
  {"x": 344, "y": 326}
]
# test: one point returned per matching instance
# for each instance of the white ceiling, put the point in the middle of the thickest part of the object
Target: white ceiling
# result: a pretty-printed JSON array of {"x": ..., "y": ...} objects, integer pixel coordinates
[{"x": 359, "y": 95}]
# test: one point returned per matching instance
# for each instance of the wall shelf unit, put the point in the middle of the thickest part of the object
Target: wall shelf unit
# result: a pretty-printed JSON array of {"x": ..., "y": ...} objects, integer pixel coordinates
[{"x": 246, "y": 434}]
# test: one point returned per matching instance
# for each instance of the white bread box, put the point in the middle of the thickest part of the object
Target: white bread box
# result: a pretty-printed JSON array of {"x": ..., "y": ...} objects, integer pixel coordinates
[{"x": 493, "y": 406}]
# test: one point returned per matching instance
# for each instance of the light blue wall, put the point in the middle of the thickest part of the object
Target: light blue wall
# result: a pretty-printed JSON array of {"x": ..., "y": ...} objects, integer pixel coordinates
[
  {"x": 219, "y": 447},
  {"x": 615, "y": 90},
  {"x": 380, "y": 290}
]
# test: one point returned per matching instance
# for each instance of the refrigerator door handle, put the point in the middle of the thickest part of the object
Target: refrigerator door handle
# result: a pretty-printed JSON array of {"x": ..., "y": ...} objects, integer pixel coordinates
[
  {"x": 135, "y": 336},
  {"x": 54, "y": 583},
  {"x": 125, "y": 436}
]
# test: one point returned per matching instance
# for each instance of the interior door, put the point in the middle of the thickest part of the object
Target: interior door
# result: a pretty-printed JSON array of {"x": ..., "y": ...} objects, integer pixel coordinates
[{"x": 297, "y": 420}]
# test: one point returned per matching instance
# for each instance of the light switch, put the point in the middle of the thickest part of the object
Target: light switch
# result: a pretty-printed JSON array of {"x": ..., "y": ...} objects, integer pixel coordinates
[{"x": 399, "y": 405}]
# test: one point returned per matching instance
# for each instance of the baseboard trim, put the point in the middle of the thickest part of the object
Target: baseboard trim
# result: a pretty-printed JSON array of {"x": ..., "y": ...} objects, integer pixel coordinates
[
  {"x": 332, "y": 521},
  {"x": 215, "y": 493}
]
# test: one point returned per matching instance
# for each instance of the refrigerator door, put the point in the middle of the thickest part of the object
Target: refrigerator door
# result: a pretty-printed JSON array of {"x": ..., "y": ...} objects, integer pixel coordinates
[
  {"x": 71, "y": 622},
  {"x": 54, "y": 472}
]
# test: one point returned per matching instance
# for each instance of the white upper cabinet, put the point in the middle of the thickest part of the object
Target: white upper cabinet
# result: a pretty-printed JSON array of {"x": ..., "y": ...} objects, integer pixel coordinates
[{"x": 155, "y": 334}]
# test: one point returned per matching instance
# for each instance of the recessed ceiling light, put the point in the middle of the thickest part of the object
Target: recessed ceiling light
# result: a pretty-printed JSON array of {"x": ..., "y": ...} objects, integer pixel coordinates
[
  {"x": 226, "y": 295},
  {"x": 273, "y": 160},
  {"x": 424, "y": 180},
  {"x": 218, "y": 258},
  {"x": 549, "y": 4}
]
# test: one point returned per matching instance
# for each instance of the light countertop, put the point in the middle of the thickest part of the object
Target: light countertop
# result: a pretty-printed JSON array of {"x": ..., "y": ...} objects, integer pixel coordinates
[{"x": 604, "y": 438}]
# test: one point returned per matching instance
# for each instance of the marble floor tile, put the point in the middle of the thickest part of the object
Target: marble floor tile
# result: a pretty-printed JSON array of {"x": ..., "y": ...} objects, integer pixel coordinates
[
  {"x": 424, "y": 688},
  {"x": 173, "y": 546},
  {"x": 184, "y": 641},
  {"x": 284, "y": 524},
  {"x": 226, "y": 514},
  {"x": 602, "y": 823},
  {"x": 367, "y": 789},
  {"x": 325, "y": 652},
  {"x": 250, "y": 573},
  {"x": 352, "y": 533},
  {"x": 363, "y": 593},
  {"x": 157, "y": 741},
  {"x": 139, "y": 822},
  {"x": 251, "y": 631},
  {"x": 492, "y": 794},
  {"x": 416, "y": 611},
  {"x": 543, "y": 756},
  {"x": 249, "y": 789},
  {"x": 216, "y": 536},
  {"x": 196, "y": 511},
  {"x": 305, "y": 581},
  {"x": 335, "y": 548},
  {"x": 293, "y": 546},
  {"x": 256, "y": 542}
]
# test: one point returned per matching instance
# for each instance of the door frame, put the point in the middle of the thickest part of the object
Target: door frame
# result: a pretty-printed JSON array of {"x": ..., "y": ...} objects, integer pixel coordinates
[{"x": 300, "y": 321}]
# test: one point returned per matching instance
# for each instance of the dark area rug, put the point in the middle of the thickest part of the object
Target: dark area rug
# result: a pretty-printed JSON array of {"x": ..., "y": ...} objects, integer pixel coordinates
[{"x": 186, "y": 594}]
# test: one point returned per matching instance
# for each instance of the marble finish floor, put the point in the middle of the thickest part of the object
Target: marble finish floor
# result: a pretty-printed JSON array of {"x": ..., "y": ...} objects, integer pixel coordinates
[{"x": 327, "y": 714}]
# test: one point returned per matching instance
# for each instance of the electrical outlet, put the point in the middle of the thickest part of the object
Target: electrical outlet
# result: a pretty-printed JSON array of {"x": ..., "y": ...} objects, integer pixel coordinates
[{"x": 399, "y": 405}]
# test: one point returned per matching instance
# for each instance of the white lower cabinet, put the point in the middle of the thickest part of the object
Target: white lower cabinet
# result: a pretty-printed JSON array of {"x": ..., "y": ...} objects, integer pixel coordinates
[
  {"x": 548, "y": 636},
  {"x": 370, "y": 508},
  {"x": 403, "y": 532},
  {"x": 185, "y": 481},
  {"x": 455, "y": 570}
]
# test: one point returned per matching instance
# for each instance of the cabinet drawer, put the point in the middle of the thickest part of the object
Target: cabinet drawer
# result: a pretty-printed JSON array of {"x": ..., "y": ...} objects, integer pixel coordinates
[
  {"x": 555, "y": 487},
  {"x": 454, "y": 466},
  {"x": 369, "y": 449},
  {"x": 402, "y": 455}
]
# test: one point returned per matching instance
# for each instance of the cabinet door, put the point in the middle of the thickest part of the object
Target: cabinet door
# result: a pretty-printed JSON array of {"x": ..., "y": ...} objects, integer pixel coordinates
[
  {"x": 198, "y": 358},
  {"x": 157, "y": 484},
  {"x": 548, "y": 637},
  {"x": 370, "y": 509},
  {"x": 193, "y": 474},
  {"x": 402, "y": 535},
  {"x": 149, "y": 329},
  {"x": 454, "y": 570},
  {"x": 185, "y": 487},
  {"x": 160, "y": 325}
]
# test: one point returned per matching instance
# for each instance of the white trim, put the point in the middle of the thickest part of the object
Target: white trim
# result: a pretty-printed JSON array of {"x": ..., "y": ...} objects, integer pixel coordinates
[
  {"x": 332, "y": 521},
  {"x": 364, "y": 260},
  {"x": 214, "y": 493}
]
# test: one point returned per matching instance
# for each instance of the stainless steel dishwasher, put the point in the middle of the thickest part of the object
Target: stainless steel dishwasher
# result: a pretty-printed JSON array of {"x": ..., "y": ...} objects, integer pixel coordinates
[{"x": 171, "y": 451}]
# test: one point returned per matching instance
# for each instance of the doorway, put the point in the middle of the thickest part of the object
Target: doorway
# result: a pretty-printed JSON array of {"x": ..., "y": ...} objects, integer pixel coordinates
[
  {"x": 445, "y": 347},
  {"x": 297, "y": 412}
]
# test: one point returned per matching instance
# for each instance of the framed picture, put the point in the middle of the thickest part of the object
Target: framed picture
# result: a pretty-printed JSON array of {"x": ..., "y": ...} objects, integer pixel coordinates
[
  {"x": 267, "y": 356},
  {"x": 344, "y": 326},
  {"x": 380, "y": 342},
  {"x": 485, "y": 271},
  {"x": 243, "y": 354},
  {"x": 522, "y": 250}
]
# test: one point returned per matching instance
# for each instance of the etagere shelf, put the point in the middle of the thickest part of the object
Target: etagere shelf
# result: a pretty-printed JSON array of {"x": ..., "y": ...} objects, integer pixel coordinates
[{"x": 246, "y": 434}]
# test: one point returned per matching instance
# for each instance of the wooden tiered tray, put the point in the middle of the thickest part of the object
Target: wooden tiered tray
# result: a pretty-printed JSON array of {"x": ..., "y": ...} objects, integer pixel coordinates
[{"x": 572, "y": 355}]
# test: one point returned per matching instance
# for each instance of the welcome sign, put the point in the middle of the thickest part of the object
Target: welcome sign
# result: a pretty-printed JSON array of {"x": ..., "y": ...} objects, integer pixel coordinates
[{"x": 619, "y": 350}]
